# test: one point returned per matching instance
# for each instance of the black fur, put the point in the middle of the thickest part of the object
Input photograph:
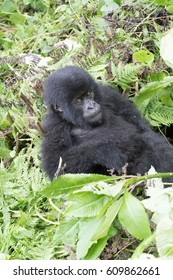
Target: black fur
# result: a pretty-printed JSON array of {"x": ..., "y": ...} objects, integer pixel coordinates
[{"x": 121, "y": 137}]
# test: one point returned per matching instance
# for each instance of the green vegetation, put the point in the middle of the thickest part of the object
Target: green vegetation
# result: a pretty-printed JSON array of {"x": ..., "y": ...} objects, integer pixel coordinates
[{"x": 122, "y": 43}]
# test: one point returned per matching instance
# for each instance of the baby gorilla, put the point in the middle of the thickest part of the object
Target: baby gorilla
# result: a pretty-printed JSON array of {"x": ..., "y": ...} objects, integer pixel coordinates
[{"x": 94, "y": 129}]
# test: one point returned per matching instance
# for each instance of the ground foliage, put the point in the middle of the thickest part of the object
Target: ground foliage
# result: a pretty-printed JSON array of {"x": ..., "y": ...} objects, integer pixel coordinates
[{"x": 118, "y": 42}]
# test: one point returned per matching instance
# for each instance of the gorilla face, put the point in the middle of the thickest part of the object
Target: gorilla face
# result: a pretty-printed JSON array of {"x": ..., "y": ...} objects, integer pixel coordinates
[{"x": 89, "y": 109}]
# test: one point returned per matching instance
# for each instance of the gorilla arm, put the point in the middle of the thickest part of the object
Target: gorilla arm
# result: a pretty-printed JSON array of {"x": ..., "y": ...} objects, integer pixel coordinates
[
  {"x": 85, "y": 156},
  {"x": 81, "y": 156}
]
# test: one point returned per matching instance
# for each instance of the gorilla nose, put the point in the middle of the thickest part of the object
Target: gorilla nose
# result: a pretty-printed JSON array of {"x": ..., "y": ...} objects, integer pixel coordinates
[{"x": 90, "y": 105}]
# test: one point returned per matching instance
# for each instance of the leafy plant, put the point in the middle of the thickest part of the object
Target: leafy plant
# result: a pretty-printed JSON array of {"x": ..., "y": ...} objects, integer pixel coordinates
[
  {"x": 93, "y": 203},
  {"x": 167, "y": 3},
  {"x": 124, "y": 75},
  {"x": 144, "y": 57},
  {"x": 89, "y": 34},
  {"x": 155, "y": 101}
]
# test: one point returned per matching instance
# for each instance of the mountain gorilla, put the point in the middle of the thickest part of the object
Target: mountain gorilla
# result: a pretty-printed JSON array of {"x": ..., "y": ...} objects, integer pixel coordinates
[{"x": 93, "y": 128}]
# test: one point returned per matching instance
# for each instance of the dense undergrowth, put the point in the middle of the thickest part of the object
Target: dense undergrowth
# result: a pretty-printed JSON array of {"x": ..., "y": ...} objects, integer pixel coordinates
[{"x": 121, "y": 43}]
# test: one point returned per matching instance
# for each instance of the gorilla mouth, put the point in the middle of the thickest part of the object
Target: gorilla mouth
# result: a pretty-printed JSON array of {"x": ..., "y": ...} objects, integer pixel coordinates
[{"x": 95, "y": 118}]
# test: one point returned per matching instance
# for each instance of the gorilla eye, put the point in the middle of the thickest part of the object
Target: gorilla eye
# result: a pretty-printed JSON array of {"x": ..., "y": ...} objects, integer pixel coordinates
[{"x": 79, "y": 100}]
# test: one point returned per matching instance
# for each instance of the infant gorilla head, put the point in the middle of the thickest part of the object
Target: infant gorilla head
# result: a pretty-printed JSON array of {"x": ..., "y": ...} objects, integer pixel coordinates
[
  {"x": 93, "y": 128},
  {"x": 74, "y": 96}
]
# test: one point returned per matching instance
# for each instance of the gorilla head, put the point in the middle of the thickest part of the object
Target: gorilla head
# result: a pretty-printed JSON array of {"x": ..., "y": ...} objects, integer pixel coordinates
[{"x": 74, "y": 96}]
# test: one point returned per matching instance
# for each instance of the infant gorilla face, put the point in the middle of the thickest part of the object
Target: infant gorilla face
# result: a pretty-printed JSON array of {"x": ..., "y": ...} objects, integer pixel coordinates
[{"x": 89, "y": 108}]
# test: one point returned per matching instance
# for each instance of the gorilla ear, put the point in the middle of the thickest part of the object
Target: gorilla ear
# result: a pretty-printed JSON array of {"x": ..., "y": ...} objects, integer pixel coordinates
[{"x": 57, "y": 108}]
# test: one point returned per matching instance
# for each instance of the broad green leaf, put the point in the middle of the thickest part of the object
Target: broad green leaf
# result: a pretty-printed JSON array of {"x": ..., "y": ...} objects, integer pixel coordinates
[
  {"x": 169, "y": 8},
  {"x": 17, "y": 18},
  {"x": 86, "y": 204},
  {"x": 71, "y": 182},
  {"x": 8, "y": 6},
  {"x": 157, "y": 77},
  {"x": 108, "y": 219},
  {"x": 67, "y": 232},
  {"x": 133, "y": 217},
  {"x": 107, "y": 189},
  {"x": 109, "y": 6},
  {"x": 96, "y": 249},
  {"x": 162, "y": 2},
  {"x": 148, "y": 91},
  {"x": 144, "y": 56},
  {"x": 4, "y": 152},
  {"x": 88, "y": 228}
]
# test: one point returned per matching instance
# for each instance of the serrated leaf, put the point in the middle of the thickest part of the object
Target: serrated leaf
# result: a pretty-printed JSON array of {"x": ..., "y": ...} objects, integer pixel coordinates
[
  {"x": 109, "y": 217},
  {"x": 86, "y": 205},
  {"x": 71, "y": 182},
  {"x": 133, "y": 217}
]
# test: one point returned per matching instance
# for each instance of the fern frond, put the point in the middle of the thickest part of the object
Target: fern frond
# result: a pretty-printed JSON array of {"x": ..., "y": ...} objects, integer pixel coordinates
[
  {"x": 158, "y": 113},
  {"x": 124, "y": 75}
]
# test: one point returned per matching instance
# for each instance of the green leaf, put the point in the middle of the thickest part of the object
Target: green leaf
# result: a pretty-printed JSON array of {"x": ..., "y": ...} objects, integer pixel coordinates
[
  {"x": 96, "y": 249},
  {"x": 4, "y": 152},
  {"x": 169, "y": 8},
  {"x": 109, "y": 6},
  {"x": 86, "y": 204},
  {"x": 67, "y": 232},
  {"x": 125, "y": 74},
  {"x": 111, "y": 214},
  {"x": 144, "y": 56},
  {"x": 88, "y": 228},
  {"x": 162, "y": 2},
  {"x": 157, "y": 112},
  {"x": 17, "y": 18},
  {"x": 107, "y": 189},
  {"x": 157, "y": 77},
  {"x": 71, "y": 182},
  {"x": 149, "y": 90},
  {"x": 8, "y": 6},
  {"x": 133, "y": 217}
]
